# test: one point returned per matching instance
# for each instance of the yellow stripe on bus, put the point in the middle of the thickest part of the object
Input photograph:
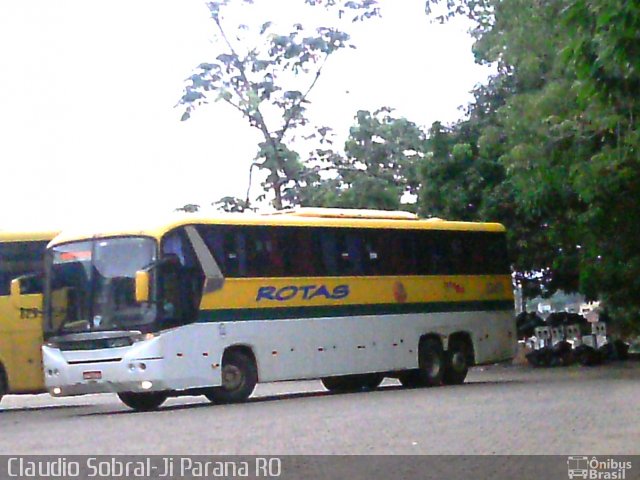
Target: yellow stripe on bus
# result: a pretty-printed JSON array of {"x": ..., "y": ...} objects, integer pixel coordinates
[{"x": 333, "y": 291}]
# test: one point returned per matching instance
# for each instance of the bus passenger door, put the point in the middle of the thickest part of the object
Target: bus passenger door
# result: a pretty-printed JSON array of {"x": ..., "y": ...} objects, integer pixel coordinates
[
  {"x": 24, "y": 332},
  {"x": 21, "y": 315},
  {"x": 178, "y": 296},
  {"x": 180, "y": 284}
]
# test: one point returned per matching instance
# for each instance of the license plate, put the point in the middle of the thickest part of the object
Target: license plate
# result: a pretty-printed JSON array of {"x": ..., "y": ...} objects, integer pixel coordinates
[{"x": 96, "y": 375}]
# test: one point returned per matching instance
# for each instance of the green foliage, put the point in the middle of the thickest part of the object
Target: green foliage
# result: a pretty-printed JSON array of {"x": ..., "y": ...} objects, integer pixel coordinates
[
  {"x": 232, "y": 205},
  {"x": 267, "y": 76},
  {"x": 378, "y": 169},
  {"x": 560, "y": 120},
  {"x": 189, "y": 208},
  {"x": 603, "y": 48},
  {"x": 455, "y": 179}
]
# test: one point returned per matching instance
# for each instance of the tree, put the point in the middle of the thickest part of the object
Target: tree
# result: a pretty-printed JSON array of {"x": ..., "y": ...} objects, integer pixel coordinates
[
  {"x": 603, "y": 54},
  {"x": 455, "y": 178},
  {"x": 566, "y": 134},
  {"x": 232, "y": 205},
  {"x": 267, "y": 77},
  {"x": 378, "y": 168},
  {"x": 189, "y": 208}
]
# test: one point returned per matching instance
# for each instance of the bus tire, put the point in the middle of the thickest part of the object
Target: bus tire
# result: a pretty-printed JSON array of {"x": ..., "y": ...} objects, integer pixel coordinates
[
  {"x": 142, "y": 401},
  {"x": 457, "y": 364},
  {"x": 431, "y": 361},
  {"x": 239, "y": 379}
]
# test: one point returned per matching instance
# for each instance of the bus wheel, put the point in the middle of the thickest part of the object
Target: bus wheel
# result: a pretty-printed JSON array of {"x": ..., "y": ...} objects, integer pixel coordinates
[
  {"x": 431, "y": 366},
  {"x": 239, "y": 378},
  {"x": 143, "y": 402},
  {"x": 457, "y": 365}
]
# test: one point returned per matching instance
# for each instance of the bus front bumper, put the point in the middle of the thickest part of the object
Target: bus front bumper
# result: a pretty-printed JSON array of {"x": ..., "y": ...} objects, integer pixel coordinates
[{"x": 123, "y": 375}]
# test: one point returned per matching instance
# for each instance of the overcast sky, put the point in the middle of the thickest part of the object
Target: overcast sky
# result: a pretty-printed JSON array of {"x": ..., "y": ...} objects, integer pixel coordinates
[{"x": 87, "y": 94}]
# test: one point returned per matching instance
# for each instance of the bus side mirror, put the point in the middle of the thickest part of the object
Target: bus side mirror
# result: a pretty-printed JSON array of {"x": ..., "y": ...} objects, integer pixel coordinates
[
  {"x": 16, "y": 292},
  {"x": 142, "y": 286}
]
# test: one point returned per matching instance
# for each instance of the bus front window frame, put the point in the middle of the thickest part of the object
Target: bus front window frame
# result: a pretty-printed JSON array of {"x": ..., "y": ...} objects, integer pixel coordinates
[{"x": 98, "y": 282}]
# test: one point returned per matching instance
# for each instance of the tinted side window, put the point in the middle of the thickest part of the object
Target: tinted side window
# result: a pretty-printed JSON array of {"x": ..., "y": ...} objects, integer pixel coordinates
[
  {"x": 459, "y": 260},
  {"x": 228, "y": 246},
  {"x": 180, "y": 283},
  {"x": 388, "y": 252},
  {"x": 21, "y": 258},
  {"x": 254, "y": 251},
  {"x": 430, "y": 253},
  {"x": 264, "y": 257},
  {"x": 375, "y": 245},
  {"x": 461, "y": 253},
  {"x": 484, "y": 253},
  {"x": 214, "y": 239},
  {"x": 402, "y": 255},
  {"x": 301, "y": 251},
  {"x": 496, "y": 254},
  {"x": 440, "y": 252},
  {"x": 177, "y": 244},
  {"x": 342, "y": 251}
]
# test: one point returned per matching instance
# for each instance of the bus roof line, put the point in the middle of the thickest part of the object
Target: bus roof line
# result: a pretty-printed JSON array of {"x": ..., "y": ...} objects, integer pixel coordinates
[
  {"x": 322, "y": 212},
  {"x": 156, "y": 229}
]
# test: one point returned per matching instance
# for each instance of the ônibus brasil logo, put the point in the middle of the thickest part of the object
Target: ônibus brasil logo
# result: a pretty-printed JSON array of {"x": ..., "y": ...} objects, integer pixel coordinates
[{"x": 593, "y": 468}]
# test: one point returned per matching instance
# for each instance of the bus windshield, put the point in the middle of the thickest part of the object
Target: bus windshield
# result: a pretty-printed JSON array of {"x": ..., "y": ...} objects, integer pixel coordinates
[{"x": 90, "y": 285}]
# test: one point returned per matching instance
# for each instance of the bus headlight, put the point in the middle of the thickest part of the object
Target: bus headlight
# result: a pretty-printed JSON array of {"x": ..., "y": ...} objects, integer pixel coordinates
[
  {"x": 146, "y": 385},
  {"x": 137, "y": 366}
]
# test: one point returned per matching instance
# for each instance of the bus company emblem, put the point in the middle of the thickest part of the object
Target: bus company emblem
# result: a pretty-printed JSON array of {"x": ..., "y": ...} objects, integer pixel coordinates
[
  {"x": 400, "y": 292},
  {"x": 453, "y": 286},
  {"x": 303, "y": 292}
]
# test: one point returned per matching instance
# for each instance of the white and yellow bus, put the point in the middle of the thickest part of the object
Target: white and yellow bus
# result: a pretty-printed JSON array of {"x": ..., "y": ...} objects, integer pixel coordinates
[
  {"x": 21, "y": 255},
  {"x": 212, "y": 306}
]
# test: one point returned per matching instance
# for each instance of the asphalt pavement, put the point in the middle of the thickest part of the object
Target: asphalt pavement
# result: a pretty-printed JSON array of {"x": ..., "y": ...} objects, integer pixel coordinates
[{"x": 502, "y": 410}]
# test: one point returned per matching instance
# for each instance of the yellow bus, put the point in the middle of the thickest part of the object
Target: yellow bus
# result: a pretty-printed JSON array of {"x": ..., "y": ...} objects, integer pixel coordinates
[
  {"x": 212, "y": 305},
  {"x": 21, "y": 254}
]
